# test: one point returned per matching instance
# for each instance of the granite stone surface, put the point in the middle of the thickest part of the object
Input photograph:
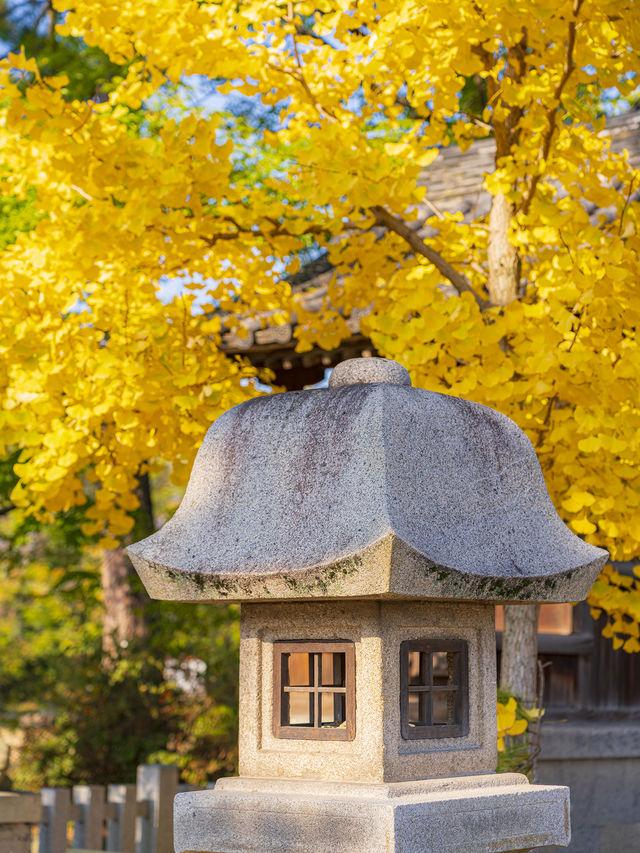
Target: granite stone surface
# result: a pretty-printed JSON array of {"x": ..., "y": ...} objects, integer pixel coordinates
[
  {"x": 358, "y": 371},
  {"x": 479, "y": 814},
  {"x": 378, "y": 753},
  {"x": 369, "y": 488}
]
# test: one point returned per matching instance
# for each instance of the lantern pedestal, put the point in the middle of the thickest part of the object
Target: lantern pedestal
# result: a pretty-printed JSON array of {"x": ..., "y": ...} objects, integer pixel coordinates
[{"x": 496, "y": 812}]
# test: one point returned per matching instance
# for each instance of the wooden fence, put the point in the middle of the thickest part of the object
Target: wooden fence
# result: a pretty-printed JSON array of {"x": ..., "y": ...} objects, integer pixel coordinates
[{"x": 121, "y": 818}]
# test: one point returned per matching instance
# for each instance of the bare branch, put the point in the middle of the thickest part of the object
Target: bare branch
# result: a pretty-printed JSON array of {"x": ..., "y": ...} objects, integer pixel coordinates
[
  {"x": 215, "y": 238},
  {"x": 299, "y": 78},
  {"x": 436, "y": 210},
  {"x": 279, "y": 230},
  {"x": 458, "y": 280},
  {"x": 626, "y": 204},
  {"x": 569, "y": 67},
  {"x": 81, "y": 192},
  {"x": 85, "y": 119},
  {"x": 305, "y": 31},
  {"x": 479, "y": 122},
  {"x": 298, "y": 73}
]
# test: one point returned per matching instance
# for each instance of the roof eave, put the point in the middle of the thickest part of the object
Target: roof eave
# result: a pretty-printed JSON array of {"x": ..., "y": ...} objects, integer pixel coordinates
[{"x": 388, "y": 569}]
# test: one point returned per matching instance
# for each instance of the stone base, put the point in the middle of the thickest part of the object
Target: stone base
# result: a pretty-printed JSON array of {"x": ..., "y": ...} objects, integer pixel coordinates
[{"x": 467, "y": 814}]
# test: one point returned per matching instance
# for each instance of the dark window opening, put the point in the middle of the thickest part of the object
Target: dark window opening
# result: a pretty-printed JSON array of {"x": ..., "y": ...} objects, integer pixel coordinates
[
  {"x": 434, "y": 689},
  {"x": 314, "y": 690}
]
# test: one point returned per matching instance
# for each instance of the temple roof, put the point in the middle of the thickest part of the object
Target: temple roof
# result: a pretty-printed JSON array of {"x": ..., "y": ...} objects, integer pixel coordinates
[
  {"x": 454, "y": 184},
  {"x": 368, "y": 489}
]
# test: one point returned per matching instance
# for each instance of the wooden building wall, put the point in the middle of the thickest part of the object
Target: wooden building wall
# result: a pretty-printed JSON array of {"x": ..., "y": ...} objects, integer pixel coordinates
[{"x": 584, "y": 677}]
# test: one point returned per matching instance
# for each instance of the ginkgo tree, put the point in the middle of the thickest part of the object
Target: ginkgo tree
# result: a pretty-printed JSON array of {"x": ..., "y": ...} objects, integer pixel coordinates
[{"x": 532, "y": 309}]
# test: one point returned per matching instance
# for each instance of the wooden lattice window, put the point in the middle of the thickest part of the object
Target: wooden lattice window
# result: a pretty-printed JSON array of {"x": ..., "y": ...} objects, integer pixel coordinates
[
  {"x": 434, "y": 689},
  {"x": 314, "y": 690}
]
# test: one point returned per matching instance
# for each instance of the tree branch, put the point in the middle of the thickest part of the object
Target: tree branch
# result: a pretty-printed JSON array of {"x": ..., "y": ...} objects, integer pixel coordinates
[
  {"x": 298, "y": 74},
  {"x": 626, "y": 205},
  {"x": 305, "y": 31},
  {"x": 458, "y": 280},
  {"x": 569, "y": 66},
  {"x": 436, "y": 210},
  {"x": 279, "y": 230},
  {"x": 299, "y": 78}
]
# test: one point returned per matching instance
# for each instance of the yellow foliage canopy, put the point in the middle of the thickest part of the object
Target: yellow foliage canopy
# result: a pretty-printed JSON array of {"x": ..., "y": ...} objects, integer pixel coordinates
[
  {"x": 618, "y": 596},
  {"x": 99, "y": 378}
]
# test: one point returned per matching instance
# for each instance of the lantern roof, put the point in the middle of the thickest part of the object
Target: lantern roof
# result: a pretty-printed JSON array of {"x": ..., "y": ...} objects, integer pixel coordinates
[{"x": 367, "y": 489}]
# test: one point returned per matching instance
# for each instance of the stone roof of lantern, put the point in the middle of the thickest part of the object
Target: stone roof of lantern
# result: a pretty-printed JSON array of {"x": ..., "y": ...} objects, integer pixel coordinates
[{"x": 367, "y": 489}]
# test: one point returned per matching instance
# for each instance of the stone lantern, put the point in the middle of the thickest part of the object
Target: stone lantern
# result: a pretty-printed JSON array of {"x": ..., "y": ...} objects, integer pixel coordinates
[{"x": 367, "y": 530}]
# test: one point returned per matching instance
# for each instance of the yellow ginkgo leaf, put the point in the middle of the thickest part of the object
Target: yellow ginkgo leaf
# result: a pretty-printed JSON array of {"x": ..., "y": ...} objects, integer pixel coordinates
[
  {"x": 582, "y": 525},
  {"x": 518, "y": 727}
]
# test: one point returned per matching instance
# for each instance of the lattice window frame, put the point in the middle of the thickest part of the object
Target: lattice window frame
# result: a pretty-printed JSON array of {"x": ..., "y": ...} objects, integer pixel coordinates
[
  {"x": 460, "y": 688},
  {"x": 316, "y": 648}
]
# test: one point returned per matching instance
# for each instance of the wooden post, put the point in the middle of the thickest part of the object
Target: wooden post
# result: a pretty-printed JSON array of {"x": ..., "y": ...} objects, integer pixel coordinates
[
  {"x": 88, "y": 830},
  {"x": 157, "y": 786},
  {"x": 121, "y": 818},
  {"x": 56, "y": 812},
  {"x": 19, "y": 813}
]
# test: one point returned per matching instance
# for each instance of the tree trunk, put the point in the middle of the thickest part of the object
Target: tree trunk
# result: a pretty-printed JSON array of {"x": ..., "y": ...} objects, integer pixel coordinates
[
  {"x": 122, "y": 620},
  {"x": 519, "y": 664},
  {"x": 123, "y": 608},
  {"x": 504, "y": 265},
  {"x": 519, "y": 667}
]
